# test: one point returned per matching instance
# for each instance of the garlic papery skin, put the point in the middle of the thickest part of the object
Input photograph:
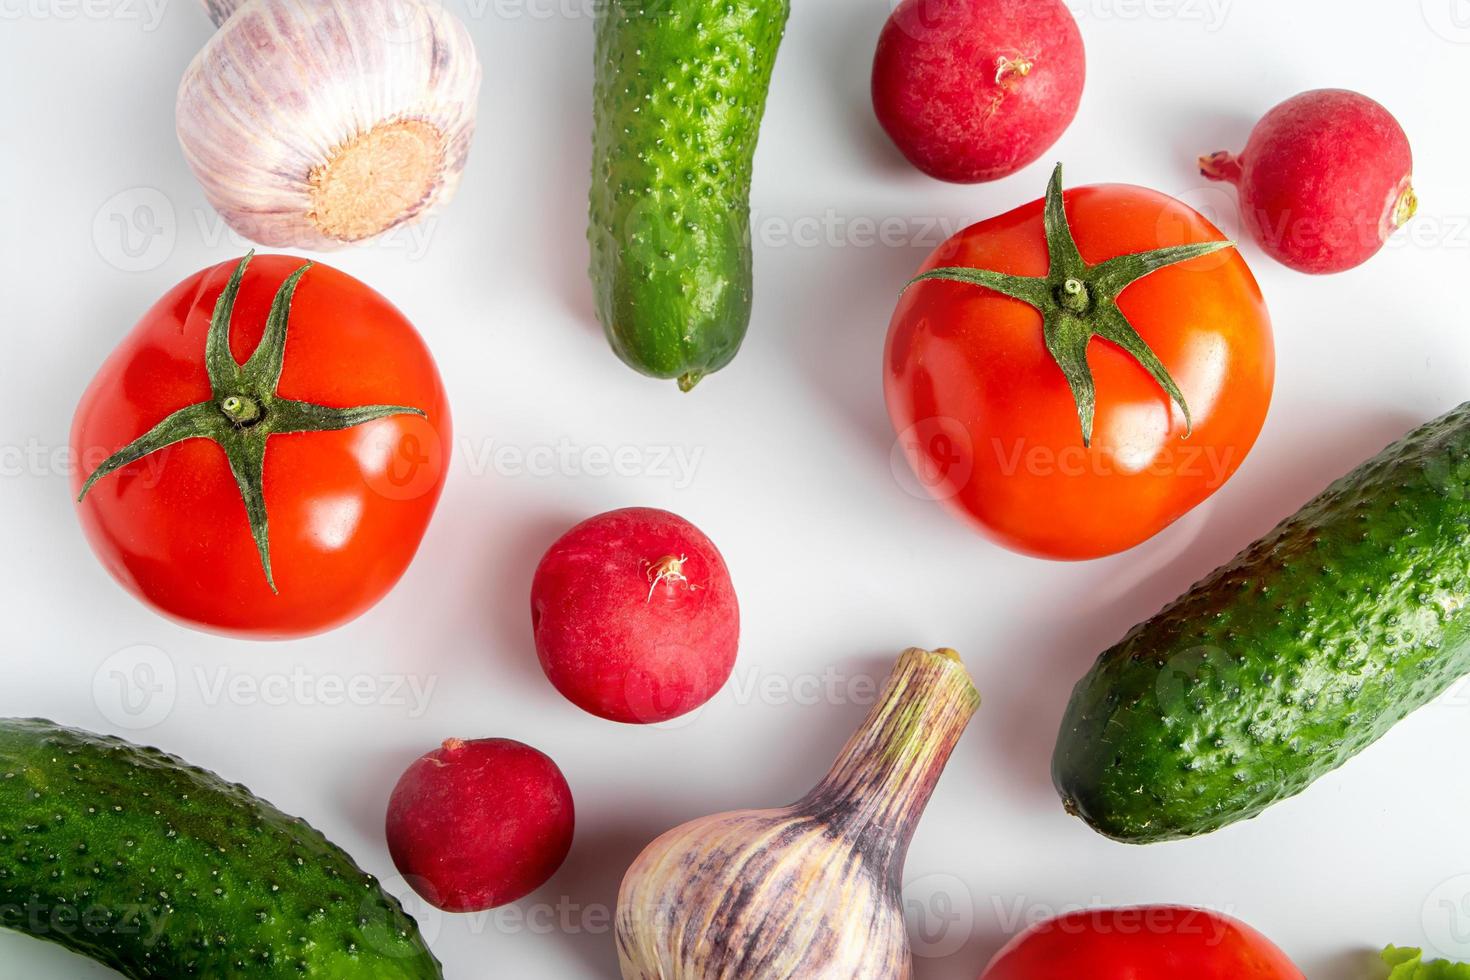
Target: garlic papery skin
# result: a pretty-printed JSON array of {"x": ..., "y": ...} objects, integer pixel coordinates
[
  {"x": 220, "y": 10},
  {"x": 810, "y": 891},
  {"x": 316, "y": 124}
]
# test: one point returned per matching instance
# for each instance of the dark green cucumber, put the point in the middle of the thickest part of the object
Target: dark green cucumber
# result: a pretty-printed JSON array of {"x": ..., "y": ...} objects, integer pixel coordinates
[
  {"x": 1286, "y": 662},
  {"x": 680, "y": 91},
  {"x": 161, "y": 870}
]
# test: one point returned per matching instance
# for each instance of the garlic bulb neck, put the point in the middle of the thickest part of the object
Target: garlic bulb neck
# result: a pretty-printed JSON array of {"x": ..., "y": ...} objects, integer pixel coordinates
[
  {"x": 810, "y": 891},
  {"x": 885, "y": 775},
  {"x": 220, "y": 10}
]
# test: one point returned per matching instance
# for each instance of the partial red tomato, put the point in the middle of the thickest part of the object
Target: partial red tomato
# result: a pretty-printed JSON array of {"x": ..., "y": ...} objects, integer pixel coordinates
[
  {"x": 1153, "y": 943},
  {"x": 281, "y": 486},
  {"x": 988, "y": 417}
]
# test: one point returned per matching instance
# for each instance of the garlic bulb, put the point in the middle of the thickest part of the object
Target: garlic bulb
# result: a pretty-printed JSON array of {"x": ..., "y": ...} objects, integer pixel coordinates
[
  {"x": 318, "y": 123},
  {"x": 811, "y": 891}
]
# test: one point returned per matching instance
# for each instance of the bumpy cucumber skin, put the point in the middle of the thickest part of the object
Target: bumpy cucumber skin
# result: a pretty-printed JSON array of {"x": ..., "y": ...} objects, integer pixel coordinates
[
  {"x": 680, "y": 91},
  {"x": 1286, "y": 662},
  {"x": 161, "y": 870}
]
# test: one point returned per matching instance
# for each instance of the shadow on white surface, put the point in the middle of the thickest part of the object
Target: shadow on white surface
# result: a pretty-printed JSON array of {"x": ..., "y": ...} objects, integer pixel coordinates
[
  {"x": 503, "y": 598},
  {"x": 846, "y": 54},
  {"x": 1360, "y": 965},
  {"x": 1127, "y": 592}
]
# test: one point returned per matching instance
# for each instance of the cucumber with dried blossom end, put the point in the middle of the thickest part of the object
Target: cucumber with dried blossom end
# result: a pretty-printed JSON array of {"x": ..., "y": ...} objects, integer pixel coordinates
[
  {"x": 1287, "y": 661},
  {"x": 155, "y": 868},
  {"x": 680, "y": 90},
  {"x": 810, "y": 891}
]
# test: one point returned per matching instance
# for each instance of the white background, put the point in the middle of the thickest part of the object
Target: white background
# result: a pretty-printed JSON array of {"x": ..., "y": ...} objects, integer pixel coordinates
[{"x": 838, "y": 566}]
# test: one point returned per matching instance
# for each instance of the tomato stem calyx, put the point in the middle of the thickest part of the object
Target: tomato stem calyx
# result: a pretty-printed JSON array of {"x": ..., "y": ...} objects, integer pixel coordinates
[
  {"x": 1074, "y": 297},
  {"x": 1078, "y": 301},
  {"x": 243, "y": 410}
]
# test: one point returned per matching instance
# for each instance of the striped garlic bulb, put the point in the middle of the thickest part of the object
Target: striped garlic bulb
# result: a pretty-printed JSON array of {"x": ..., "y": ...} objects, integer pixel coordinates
[
  {"x": 809, "y": 892},
  {"x": 318, "y": 123}
]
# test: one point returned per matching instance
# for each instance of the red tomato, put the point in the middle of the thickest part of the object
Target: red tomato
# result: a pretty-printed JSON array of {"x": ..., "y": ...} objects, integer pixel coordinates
[
  {"x": 1157, "y": 943},
  {"x": 347, "y": 508},
  {"x": 988, "y": 420}
]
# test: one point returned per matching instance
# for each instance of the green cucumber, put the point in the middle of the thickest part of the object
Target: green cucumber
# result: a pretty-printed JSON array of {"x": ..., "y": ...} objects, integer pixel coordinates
[
  {"x": 680, "y": 91},
  {"x": 160, "y": 870},
  {"x": 1289, "y": 660}
]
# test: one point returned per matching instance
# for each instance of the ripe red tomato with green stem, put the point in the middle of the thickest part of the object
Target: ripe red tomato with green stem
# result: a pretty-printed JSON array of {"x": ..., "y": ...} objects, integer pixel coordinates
[
  {"x": 1152, "y": 943},
  {"x": 262, "y": 454},
  {"x": 1074, "y": 376}
]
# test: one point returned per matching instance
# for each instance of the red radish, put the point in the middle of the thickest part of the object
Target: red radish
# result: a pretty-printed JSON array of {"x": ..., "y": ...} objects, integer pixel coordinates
[
  {"x": 477, "y": 824},
  {"x": 973, "y": 90},
  {"x": 1325, "y": 179},
  {"x": 634, "y": 616}
]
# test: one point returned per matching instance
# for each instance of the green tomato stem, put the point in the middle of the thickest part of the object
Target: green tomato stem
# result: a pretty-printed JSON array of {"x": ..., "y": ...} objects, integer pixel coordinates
[{"x": 1078, "y": 301}]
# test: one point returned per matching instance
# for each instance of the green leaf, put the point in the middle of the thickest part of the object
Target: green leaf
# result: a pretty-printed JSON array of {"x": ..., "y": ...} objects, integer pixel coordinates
[
  {"x": 1116, "y": 275},
  {"x": 1114, "y": 326},
  {"x": 245, "y": 449},
  {"x": 224, "y": 371},
  {"x": 1027, "y": 289},
  {"x": 263, "y": 370},
  {"x": 1066, "y": 258},
  {"x": 1066, "y": 339},
  {"x": 199, "y": 421},
  {"x": 244, "y": 411},
  {"x": 1408, "y": 964},
  {"x": 1078, "y": 301},
  {"x": 292, "y": 416}
]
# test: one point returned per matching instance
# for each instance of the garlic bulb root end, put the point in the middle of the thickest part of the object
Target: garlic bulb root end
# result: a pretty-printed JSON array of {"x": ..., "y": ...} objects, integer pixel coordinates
[{"x": 377, "y": 179}]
